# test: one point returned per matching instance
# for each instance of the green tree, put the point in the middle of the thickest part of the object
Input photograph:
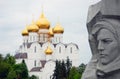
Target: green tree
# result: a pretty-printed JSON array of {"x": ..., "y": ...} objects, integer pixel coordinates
[
  {"x": 1, "y": 58},
  {"x": 10, "y": 70},
  {"x": 81, "y": 69},
  {"x": 74, "y": 74},
  {"x": 56, "y": 71},
  {"x": 68, "y": 66},
  {"x": 33, "y": 77},
  {"x": 4, "y": 70},
  {"x": 21, "y": 70},
  {"x": 9, "y": 59},
  {"x": 62, "y": 69},
  {"x": 12, "y": 75}
]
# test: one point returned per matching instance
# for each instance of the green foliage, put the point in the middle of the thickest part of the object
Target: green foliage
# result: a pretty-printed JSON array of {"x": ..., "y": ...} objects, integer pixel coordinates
[
  {"x": 4, "y": 70},
  {"x": 33, "y": 77},
  {"x": 12, "y": 75},
  {"x": 21, "y": 70},
  {"x": 68, "y": 66},
  {"x": 9, "y": 59},
  {"x": 81, "y": 69},
  {"x": 62, "y": 69},
  {"x": 10, "y": 70},
  {"x": 66, "y": 71},
  {"x": 74, "y": 74}
]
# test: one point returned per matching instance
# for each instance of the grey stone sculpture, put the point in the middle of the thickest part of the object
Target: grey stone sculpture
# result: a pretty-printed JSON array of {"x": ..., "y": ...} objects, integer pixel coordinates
[{"x": 103, "y": 24}]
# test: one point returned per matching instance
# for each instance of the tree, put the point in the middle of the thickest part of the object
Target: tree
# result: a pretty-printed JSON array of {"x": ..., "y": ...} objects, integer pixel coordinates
[
  {"x": 21, "y": 70},
  {"x": 10, "y": 70},
  {"x": 68, "y": 66},
  {"x": 33, "y": 77},
  {"x": 12, "y": 75},
  {"x": 9, "y": 59},
  {"x": 1, "y": 58},
  {"x": 74, "y": 74},
  {"x": 62, "y": 69},
  {"x": 4, "y": 70},
  {"x": 81, "y": 69},
  {"x": 56, "y": 71}
]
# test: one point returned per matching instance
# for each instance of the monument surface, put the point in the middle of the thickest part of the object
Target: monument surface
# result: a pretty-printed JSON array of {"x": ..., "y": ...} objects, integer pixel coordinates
[{"x": 103, "y": 24}]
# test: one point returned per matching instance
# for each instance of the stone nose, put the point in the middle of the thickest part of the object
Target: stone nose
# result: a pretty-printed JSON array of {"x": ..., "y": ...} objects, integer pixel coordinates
[{"x": 100, "y": 46}]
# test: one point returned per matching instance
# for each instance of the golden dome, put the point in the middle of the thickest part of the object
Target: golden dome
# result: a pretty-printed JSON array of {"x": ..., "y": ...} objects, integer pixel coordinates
[
  {"x": 48, "y": 51},
  {"x": 33, "y": 27},
  {"x": 51, "y": 32},
  {"x": 58, "y": 28},
  {"x": 25, "y": 32},
  {"x": 42, "y": 22}
]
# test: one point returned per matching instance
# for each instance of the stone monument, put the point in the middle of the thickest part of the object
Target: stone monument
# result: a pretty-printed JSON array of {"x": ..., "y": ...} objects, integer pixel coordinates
[{"x": 103, "y": 24}]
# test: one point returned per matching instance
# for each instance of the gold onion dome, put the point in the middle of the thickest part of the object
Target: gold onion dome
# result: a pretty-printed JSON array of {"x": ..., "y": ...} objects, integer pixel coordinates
[
  {"x": 42, "y": 22},
  {"x": 51, "y": 32},
  {"x": 33, "y": 27},
  {"x": 25, "y": 32},
  {"x": 48, "y": 51},
  {"x": 58, "y": 28}
]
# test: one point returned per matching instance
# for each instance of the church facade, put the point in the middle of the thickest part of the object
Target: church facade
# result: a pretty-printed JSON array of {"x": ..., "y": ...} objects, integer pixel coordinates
[{"x": 42, "y": 46}]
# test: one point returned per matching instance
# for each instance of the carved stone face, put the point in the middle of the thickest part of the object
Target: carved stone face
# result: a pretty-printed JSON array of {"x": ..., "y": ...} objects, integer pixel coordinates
[{"x": 107, "y": 46}]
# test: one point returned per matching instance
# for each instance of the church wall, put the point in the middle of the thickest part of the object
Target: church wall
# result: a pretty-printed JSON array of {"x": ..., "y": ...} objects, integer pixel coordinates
[
  {"x": 73, "y": 54},
  {"x": 35, "y": 45},
  {"x": 33, "y": 37},
  {"x": 60, "y": 51},
  {"x": 58, "y": 38}
]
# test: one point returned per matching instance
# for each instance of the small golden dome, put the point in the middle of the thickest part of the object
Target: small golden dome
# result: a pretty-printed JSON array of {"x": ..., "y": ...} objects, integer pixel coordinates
[
  {"x": 25, "y": 32},
  {"x": 33, "y": 27},
  {"x": 58, "y": 28},
  {"x": 42, "y": 22},
  {"x": 51, "y": 32},
  {"x": 48, "y": 51}
]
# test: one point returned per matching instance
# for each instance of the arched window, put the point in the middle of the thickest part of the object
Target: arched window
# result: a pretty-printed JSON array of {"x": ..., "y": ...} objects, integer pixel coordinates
[
  {"x": 35, "y": 49},
  {"x": 56, "y": 39},
  {"x": 59, "y": 49},
  {"x": 35, "y": 63},
  {"x": 71, "y": 50},
  {"x": 59, "y": 39}
]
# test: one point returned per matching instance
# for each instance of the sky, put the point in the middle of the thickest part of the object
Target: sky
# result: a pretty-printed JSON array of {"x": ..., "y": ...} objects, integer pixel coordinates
[{"x": 72, "y": 14}]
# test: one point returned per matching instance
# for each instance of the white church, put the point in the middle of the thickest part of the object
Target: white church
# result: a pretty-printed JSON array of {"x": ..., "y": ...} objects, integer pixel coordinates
[{"x": 42, "y": 46}]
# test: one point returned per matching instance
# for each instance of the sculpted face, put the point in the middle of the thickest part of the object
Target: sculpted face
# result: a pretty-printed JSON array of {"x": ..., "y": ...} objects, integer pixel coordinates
[{"x": 107, "y": 46}]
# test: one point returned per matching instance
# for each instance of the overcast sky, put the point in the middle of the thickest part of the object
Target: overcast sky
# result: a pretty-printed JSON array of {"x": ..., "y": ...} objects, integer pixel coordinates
[{"x": 72, "y": 14}]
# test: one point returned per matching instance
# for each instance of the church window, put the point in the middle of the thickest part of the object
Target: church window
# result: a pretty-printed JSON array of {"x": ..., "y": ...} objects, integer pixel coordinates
[
  {"x": 35, "y": 49},
  {"x": 33, "y": 38},
  {"x": 44, "y": 37},
  {"x": 59, "y": 40},
  {"x": 71, "y": 50},
  {"x": 59, "y": 49},
  {"x": 56, "y": 39},
  {"x": 27, "y": 41},
  {"x": 35, "y": 63}
]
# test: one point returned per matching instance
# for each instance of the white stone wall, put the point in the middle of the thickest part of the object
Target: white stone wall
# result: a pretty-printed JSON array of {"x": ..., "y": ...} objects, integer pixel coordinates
[
  {"x": 36, "y": 52},
  {"x": 48, "y": 69},
  {"x": 25, "y": 39},
  {"x": 43, "y": 35},
  {"x": 33, "y": 37},
  {"x": 58, "y": 38}
]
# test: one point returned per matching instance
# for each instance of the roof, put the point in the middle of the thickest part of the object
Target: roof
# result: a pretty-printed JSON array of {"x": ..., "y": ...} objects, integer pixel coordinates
[
  {"x": 36, "y": 69},
  {"x": 20, "y": 55},
  {"x": 43, "y": 62},
  {"x": 28, "y": 45},
  {"x": 73, "y": 44},
  {"x": 41, "y": 44}
]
